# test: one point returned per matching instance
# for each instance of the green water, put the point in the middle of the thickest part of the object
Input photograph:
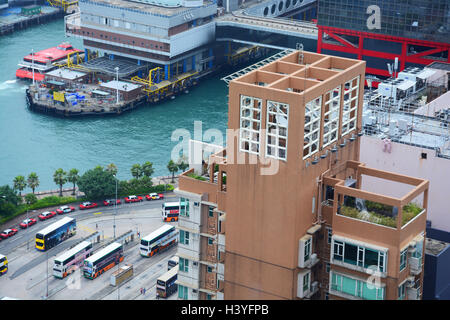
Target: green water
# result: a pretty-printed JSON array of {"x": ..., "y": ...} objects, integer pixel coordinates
[{"x": 36, "y": 142}]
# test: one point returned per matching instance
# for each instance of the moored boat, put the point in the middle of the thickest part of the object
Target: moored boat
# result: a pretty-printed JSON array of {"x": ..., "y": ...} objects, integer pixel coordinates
[{"x": 44, "y": 61}]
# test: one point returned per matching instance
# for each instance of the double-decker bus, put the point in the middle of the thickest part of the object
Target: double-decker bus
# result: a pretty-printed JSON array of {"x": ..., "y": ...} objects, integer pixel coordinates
[
  {"x": 71, "y": 260},
  {"x": 165, "y": 285},
  {"x": 103, "y": 260},
  {"x": 172, "y": 262},
  {"x": 170, "y": 211},
  {"x": 55, "y": 233},
  {"x": 3, "y": 265},
  {"x": 158, "y": 240}
]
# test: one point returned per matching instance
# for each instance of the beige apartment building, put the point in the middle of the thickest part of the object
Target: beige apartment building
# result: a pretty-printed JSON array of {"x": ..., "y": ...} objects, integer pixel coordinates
[{"x": 285, "y": 211}]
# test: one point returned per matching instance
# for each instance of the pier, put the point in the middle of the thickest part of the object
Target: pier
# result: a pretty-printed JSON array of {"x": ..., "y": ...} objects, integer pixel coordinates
[{"x": 18, "y": 18}]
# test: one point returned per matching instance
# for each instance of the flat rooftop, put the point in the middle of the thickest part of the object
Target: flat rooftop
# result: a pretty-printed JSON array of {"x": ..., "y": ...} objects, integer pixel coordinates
[
  {"x": 66, "y": 74},
  {"x": 105, "y": 65},
  {"x": 435, "y": 247},
  {"x": 120, "y": 85},
  {"x": 149, "y": 8}
]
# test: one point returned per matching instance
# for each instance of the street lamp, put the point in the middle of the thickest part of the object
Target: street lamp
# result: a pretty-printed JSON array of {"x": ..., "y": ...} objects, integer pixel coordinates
[
  {"x": 115, "y": 209},
  {"x": 117, "y": 84}
]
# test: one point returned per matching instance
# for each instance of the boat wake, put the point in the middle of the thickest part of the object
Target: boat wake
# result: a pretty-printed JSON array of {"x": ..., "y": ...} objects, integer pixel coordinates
[{"x": 12, "y": 85}]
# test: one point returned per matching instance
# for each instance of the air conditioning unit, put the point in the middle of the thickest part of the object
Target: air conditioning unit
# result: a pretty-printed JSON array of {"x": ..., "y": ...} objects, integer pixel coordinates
[
  {"x": 410, "y": 281},
  {"x": 314, "y": 286}
]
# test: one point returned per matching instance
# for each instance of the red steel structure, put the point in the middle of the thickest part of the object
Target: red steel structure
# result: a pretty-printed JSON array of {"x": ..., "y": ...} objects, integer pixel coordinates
[{"x": 345, "y": 46}]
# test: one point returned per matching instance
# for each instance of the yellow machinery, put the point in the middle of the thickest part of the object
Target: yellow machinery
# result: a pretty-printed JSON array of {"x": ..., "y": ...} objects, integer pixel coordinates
[
  {"x": 69, "y": 6},
  {"x": 158, "y": 90},
  {"x": 240, "y": 55}
]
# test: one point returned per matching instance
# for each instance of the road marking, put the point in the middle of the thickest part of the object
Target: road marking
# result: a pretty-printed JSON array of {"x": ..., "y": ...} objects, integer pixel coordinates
[
  {"x": 98, "y": 213},
  {"x": 86, "y": 228}
]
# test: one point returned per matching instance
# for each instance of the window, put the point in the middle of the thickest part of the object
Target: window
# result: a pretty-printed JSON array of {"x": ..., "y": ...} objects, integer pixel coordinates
[
  {"x": 307, "y": 249},
  {"x": 331, "y": 116},
  {"x": 250, "y": 124},
  {"x": 356, "y": 287},
  {"x": 312, "y": 127},
  {"x": 209, "y": 269},
  {"x": 401, "y": 291},
  {"x": 358, "y": 255},
  {"x": 327, "y": 267},
  {"x": 330, "y": 234},
  {"x": 182, "y": 292},
  {"x": 184, "y": 207},
  {"x": 306, "y": 282},
  {"x": 349, "y": 114},
  {"x": 403, "y": 258},
  {"x": 210, "y": 241},
  {"x": 211, "y": 211},
  {"x": 338, "y": 250},
  {"x": 277, "y": 129},
  {"x": 208, "y": 297},
  {"x": 184, "y": 237},
  {"x": 183, "y": 265}
]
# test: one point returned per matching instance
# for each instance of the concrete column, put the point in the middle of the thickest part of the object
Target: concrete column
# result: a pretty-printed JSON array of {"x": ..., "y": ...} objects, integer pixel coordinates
[
  {"x": 184, "y": 66},
  {"x": 166, "y": 72},
  {"x": 211, "y": 53}
]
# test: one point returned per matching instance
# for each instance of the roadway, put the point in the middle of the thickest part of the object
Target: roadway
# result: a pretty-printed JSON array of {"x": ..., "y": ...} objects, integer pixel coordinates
[{"x": 30, "y": 271}]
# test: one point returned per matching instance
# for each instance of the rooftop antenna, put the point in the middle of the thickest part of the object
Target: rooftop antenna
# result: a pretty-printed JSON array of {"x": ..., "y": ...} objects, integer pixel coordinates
[{"x": 299, "y": 47}]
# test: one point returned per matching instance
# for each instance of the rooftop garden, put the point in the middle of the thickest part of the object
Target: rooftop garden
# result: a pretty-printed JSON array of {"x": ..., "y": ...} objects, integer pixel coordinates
[{"x": 377, "y": 212}]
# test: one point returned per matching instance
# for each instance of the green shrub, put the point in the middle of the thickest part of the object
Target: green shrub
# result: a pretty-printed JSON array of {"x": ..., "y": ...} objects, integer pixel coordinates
[{"x": 196, "y": 176}]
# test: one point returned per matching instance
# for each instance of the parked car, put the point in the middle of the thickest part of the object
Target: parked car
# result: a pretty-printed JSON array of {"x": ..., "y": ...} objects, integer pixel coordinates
[
  {"x": 110, "y": 202},
  {"x": 27, "y": 223},
  {"x": 46, "y": 215},
  {"x": 65, "y": 209},
  {"x": 88, "y": 205},
  {"x": 133, "y": 199},
  {"x": 154, "y": 196},
  {"x": 8, "y": 233}
]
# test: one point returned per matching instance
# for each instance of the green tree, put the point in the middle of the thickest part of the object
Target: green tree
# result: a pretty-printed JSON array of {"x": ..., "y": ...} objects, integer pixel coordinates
[
  {"x": 136, "y": 171},
  {"x": 112, "y": 168},
  {"x": 183, "y": 164},
  {"x": 19, "y": 184},
  {"x": 9, "y": 200},
  {"x": 60, "y": 178},
  {"x": 33, "y": 181},
  {"x": 97, "y": 183},
  {"x": 172, "y": 167},
  {"x": 30, "y": 198},
  {"x": 147, "y": 169},
  {"x": 73, "y": 177}
]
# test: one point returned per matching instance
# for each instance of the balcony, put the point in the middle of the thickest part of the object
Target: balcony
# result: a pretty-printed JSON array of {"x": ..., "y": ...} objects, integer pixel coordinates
[
  {"x": 208, "y": 179},
  {"x": 376, "y": 216}
]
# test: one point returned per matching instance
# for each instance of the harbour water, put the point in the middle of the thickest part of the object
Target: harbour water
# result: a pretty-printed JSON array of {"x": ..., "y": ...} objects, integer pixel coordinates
[{"x": 40, "y": 143}]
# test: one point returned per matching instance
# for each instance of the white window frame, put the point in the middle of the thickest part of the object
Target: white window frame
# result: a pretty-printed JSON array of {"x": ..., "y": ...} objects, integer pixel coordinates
[
  {"x": 333, "y": 105},
  {"x": 349, "y": 124},
  {"x": 274, "y": 147},
  {"x": 247, "y": 133},
  {"x": 313, "y": 110}
]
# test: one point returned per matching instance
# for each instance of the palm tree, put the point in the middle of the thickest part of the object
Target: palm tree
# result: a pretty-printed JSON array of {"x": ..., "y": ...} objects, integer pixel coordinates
[
  {"x": 183, "y": 164},
  {"x": 33, "y": 181},
  {"x": 173, "y": 167},
  {"x": 147, "y": 169},
  {"x": 73, "y": 177},
  {"x": 60, "y": 178},
  {"x": 112, "y": 168},
  {"x": 19, "y": 184},
  {"x": 136, "y": 170}
]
